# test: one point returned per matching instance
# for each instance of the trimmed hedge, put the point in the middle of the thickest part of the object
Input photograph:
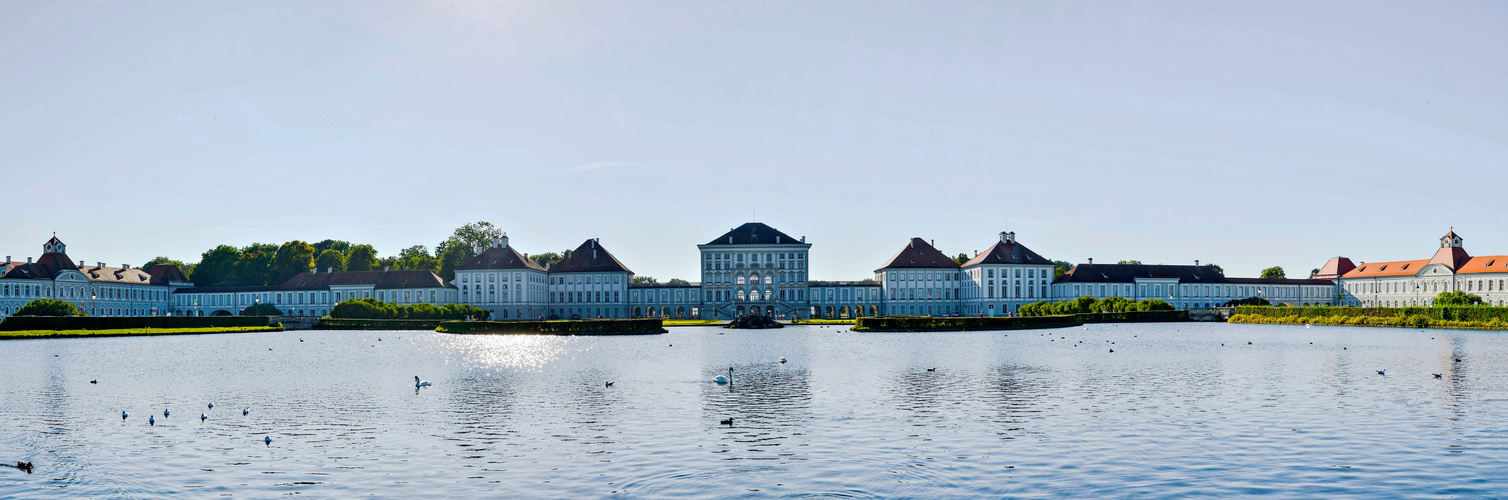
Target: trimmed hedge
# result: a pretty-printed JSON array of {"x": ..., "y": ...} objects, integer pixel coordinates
[
  {"x": 376, "y": 324},
  {"x": 128, "y": 322},
  {"x": 1458, "y": 313},
  {"x": 558, "y": 327},
  {"x": 915, "y": 323},
  {"x": 1136, "y": 317}
]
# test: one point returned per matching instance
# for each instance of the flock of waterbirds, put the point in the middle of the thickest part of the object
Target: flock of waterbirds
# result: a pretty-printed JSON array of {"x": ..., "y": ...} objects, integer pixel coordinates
[{"x": 720, "y": 380}]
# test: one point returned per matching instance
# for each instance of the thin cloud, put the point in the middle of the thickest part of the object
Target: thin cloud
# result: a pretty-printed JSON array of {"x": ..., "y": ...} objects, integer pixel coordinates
[{"x": 614, "y": 165}]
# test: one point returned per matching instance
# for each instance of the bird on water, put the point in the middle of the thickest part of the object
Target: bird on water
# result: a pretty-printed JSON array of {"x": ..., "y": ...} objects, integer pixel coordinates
[
  {"x": 202, "y": 417},
  {"x": 725, "y": 380},
  {"x": 267, "y": 440},
  {"x": 420, "y": 383},
  {"x": 245, "y": 411},
  {"x": 211, "y": 406},
  {"x": 1438, "y": 375},
  {"x": 609, "y": 384},
  {"x": 1382, "y": 372},
  {"x": 726, "y": 421},
  {"x": 123, "y": 415},
  {"x": 152, "y": 421}
]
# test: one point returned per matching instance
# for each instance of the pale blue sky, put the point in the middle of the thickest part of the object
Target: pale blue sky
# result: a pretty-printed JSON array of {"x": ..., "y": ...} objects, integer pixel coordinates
[{"x": 1247, "y": 135}]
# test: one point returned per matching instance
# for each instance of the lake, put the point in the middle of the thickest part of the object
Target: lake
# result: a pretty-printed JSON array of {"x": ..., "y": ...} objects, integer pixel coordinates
[{"x": 1281, "y": 411}]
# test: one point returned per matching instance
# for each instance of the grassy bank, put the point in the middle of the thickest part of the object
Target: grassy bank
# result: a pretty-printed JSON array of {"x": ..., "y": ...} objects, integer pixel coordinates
[
  {"x": 93, "y": 323},
  {"x": 692, "y": 322},
  {"x": 131, "y": 332},
  {"x": 376, "y": 324},
  {"x": 1458, "y": 317},
  {"x": 1412, "y": 321},
  {"x": 557, "y": 327},
  {"x": 826, "y": 322},
  {"x": 930, "y": 324}
]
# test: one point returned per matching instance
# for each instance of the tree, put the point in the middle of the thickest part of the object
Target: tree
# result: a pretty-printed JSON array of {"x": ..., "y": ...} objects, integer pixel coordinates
[
  {"x": 474, "y": 236},
  {"x": 388, "y": 262},
  {"x": 645, "y": 280},
  {"x": 261, "y": 309},
  {"x": 1313, "y": 272},
  {"x": 1456, "y": 298},
  {"x": 1216, "y": 268},
  {"x": 1273, "y": 273},
  {"x": 547, "y": 258},
  {"x": 362, "y": 258},
  {"x": 254, "y": 268},
  {"x": 49, "y": 307},
  {"x": 163, "y": 260},
  {"x": 217, "y": 267},
  {"x": 292, "y": 258},
  {"x": 961, "y": 258},
  {"x": 1060, "y": 268},
  {"x": 331, "y": 259},
  {"x": 1130, "y": 262},
  {"x": 677, "y": 281},
  {"x": 451, "y": 255},
  {"x": 417, "y": 257},
  {"x": 344, "y": 247}
]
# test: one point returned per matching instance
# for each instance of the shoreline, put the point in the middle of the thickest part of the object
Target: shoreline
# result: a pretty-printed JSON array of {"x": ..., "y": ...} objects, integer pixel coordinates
[
  {"x": 1366, "y": 322},
  {"x": 132, "y": 332}
]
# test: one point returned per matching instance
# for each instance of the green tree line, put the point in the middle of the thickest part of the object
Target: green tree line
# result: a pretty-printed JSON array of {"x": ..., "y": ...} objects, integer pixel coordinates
[{"x": 265, "y": 264}]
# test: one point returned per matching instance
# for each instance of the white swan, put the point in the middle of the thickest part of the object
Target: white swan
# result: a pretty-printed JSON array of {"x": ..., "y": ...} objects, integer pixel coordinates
[
  {"x": 782, "y": 360},
  {"x": 420, "y": 383},
  {"x": 725, "y": 380}
]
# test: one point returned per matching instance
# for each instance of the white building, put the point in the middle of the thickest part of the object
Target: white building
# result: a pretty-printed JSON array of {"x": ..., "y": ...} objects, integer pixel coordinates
[
  {"x": 754, "y": 269},
  {"x": 504, "y": 281},
  {"x": 589, "y": 282},
  {"x": 920, "y": 281},
  {"x": 98, "y": 290},
  {"x": 845, "y": 299},
  {"x": 315, "y": 293},
  {"x": 1417, "y": 282},
  {"x": 1185, "y": 287},
  {"x": 1004, "y": 278}
]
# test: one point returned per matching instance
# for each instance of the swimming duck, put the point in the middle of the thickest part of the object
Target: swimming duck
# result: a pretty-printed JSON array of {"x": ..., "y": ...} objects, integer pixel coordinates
[
  {"x": 202, "y": 417},
  {"x": 1382, "y": 372},
  {"x": 164, "y": 414},
  {"x": 1438, "y": 375},
  {"x": 246, "y": 411},
  {"x": 609, "y": 384},
  {"x": 211, "y": 406},
  {"x": 782, "y": 360},
  {"x": 420, "y": 383},
  {"x": 152, "y": 421},
  {"x": 123, "y": 415},
  {"x": 267, "y": 440},
  {"x": 726, "y": 421}
]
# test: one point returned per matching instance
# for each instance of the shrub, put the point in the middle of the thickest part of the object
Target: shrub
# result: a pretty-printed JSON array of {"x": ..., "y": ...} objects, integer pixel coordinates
[
  {"x": 1456, "y": 298},
  {"x": 49, "y": 307},
  {"x": 14, "y": 323},
  {"x": 376, "y": 309},
  {"x": 899, "y": 323},
  {"x": 566, "y": 327}
]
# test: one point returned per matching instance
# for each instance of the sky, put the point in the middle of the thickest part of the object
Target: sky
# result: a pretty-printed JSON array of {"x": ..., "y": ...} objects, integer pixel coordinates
[{"x": 1246, "y": 134}]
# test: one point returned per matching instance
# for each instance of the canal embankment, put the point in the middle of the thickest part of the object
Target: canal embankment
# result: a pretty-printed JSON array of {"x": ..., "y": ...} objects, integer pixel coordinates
[
  {"x": 556, "y": 327},
  {"x": 34, "y": 327}
]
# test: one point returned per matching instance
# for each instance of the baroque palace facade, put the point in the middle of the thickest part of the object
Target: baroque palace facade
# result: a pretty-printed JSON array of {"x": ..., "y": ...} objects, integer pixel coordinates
[{"x": 751, "y": 269}]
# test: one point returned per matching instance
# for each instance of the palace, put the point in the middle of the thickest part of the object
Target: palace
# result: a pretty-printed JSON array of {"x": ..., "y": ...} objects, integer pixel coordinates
[{"x": 751, "y": 269}]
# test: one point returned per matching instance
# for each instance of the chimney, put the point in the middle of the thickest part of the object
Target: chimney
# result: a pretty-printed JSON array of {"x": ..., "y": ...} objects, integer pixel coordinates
[
  {"x": 803, "y": 239},
  {"x": 28, "y": 260},
  {"x": 99, "y": 265},
  {"x": 1091, "y": 261},
  {"x": 125, "y": 267},
  {"x": 503, "y": 241},
  {"x": 1196, "y": 262},
  {"x": 911, "y": 244},
  {"x": 384, "y": 269},
  {"x": 329, "y": 269},
  {"x": 81, "y": 261},
  {"x": 933, "y": 243},
  {"x": 1002, "y": 237}
]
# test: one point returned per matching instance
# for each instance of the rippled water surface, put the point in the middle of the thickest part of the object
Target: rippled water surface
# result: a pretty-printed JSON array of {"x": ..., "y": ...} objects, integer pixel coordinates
[{"x": 1296, "y": 412}]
